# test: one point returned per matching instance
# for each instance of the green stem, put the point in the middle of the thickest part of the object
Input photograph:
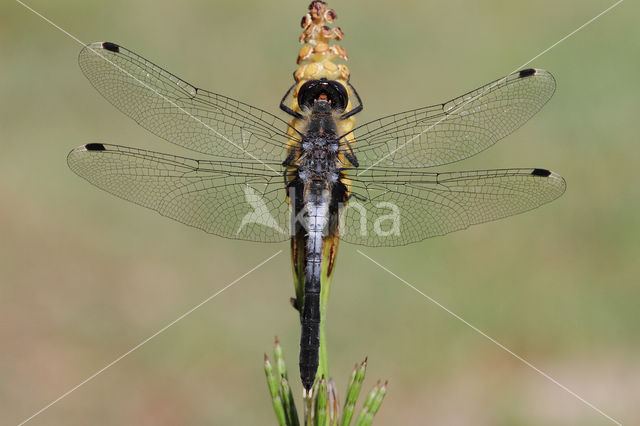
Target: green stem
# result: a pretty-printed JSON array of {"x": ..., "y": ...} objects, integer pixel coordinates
[{"x": 328, "y": 256}]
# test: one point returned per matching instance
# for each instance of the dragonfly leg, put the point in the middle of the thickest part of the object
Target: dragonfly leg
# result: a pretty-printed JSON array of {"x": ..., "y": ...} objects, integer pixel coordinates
[
  {"x": 288, "y": 162},
  {"x": 348, "y": 153},
  {"x": 357, "y": 197},
  {"x": 352, "y": 158},
  {"x": 286, "y": 108},
  {"x": 355, "y": 110}
]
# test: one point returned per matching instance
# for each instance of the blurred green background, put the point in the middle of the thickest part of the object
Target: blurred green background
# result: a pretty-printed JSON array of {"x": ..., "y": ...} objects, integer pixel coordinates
[{"x": 85, "y": 276}]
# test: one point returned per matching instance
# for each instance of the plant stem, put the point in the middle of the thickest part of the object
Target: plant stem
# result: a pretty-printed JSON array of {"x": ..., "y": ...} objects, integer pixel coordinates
[{"x": 328, "y": 259}]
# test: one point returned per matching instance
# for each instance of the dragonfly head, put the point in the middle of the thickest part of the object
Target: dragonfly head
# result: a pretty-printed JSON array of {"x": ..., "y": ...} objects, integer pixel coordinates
[{"x": 323, "y": 96}]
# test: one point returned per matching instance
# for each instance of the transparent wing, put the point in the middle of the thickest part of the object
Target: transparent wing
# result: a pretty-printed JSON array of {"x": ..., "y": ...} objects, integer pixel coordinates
[
  {"x": 179, "y": 112},
  {"x": 449, "y": 132},
  {"x": 239, "y": 200},
  {"x": 397, "y": 207}
]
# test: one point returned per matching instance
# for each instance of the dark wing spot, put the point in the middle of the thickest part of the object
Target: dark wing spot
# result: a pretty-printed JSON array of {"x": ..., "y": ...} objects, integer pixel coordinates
[
  {"x": 527, "y": 73},
  {"x": 541, "y": 172},
  {"x": 94, "y": 147},
  {"x": 112, "y": 47}
]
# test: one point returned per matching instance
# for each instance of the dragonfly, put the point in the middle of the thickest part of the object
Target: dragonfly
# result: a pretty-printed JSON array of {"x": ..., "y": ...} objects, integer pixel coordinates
[{"x": 264, "y": 181}]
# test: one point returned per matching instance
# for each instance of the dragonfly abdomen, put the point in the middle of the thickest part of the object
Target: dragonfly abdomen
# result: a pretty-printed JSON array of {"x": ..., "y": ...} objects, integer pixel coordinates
[{"x": 317, "y": 207}]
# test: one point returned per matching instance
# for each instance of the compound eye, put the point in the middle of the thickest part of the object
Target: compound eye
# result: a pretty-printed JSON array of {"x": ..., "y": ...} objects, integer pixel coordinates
[
  {"x": 326, "y": 90},
  {"x": 308, "y": 93},
  {"x": 337, "y": 93}
]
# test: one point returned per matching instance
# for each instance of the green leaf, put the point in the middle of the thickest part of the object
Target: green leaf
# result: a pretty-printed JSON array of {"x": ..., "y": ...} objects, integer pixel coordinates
[
  {"x": 272, "y": 383},
  {"x": 368, "y": 403},
  {"x": 353, "y": 391},
  {"x": 289, "y": 403},
  {"x": 321, "y": 403},
  {"x": 375, "y": 405}
]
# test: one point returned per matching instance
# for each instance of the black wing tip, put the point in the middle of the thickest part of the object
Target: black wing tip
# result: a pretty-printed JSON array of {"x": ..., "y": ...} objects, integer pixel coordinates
[
  {"x": 95, "y": 147},
  {"x": 527, "y": 73},
  {"x": 541, "y": 172},
  {"x": 112, "y": 47}
]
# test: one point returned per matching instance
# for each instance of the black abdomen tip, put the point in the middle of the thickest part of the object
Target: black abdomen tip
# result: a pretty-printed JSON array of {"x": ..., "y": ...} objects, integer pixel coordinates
[
  {"x": 541, "y": 172},
  {"x": 307, "y": 384},
  {"x": 94, "y": 147},
  {"x": 527, "y": 73},
  {"x": 112, "y": 47}
]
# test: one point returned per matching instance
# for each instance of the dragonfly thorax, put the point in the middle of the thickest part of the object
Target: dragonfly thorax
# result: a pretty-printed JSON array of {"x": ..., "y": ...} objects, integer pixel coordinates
[{"x": 319, "y": 159}]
